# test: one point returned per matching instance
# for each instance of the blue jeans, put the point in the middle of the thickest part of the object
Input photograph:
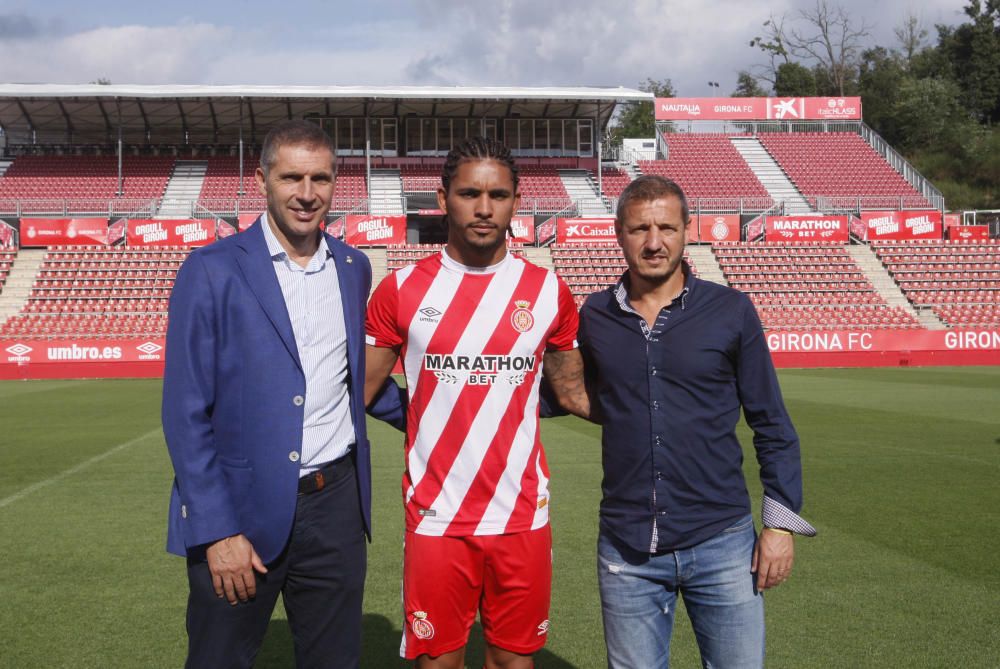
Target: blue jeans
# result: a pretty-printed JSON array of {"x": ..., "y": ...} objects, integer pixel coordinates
[{"x": 639, "y": 598}]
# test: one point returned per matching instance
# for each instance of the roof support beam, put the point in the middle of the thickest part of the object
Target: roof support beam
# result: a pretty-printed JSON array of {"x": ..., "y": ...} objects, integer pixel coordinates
[
  {"x": 239, "y": 191},
  {"x": 27, "y": 117},
  {"x": 118, "y": 107},
  {"x": 253, "y": 122},
  {"x": 368, "y": 145},
  {"x": 69, "y": 122},
  {"x": 215, "y": 120},
  {"x": 108, "y": 127},
  {"x": 184, "y": 123},
  {"x": 145, "y": 119}
]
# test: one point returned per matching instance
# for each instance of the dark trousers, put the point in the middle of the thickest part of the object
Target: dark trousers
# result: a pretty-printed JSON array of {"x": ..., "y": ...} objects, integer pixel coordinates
[{"x": 320, "y": 576}]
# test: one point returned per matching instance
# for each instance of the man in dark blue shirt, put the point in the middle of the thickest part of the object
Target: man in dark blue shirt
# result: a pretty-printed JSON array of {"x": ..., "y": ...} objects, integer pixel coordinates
[{"x": 671, "y": 360}]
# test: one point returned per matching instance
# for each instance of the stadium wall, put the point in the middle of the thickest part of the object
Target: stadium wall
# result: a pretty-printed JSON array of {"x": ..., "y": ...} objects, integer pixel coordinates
[
  {"x": 143, "y": 358},
  {"x": 884, "y": 348}
]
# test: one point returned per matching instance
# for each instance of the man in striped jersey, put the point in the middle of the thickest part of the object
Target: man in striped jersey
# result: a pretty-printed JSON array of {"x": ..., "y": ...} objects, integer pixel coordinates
[{"x": 474, "y": 325}]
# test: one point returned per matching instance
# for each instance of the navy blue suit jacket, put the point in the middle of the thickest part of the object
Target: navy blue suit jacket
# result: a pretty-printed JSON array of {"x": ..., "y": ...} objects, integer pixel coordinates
[{"x": 232, "y": 394}]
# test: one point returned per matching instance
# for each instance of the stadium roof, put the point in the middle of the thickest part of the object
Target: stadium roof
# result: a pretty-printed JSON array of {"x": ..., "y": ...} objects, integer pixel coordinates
[{"x": 81, "y": 113}]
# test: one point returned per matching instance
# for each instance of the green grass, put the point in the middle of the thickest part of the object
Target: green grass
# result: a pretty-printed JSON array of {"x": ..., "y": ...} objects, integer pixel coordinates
[{"x": 901, "y": 476}]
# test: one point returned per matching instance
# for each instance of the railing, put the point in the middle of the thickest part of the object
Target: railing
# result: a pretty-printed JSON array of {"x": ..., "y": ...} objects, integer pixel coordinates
[
  {"x": 903, "y": 166},
  {"x": 545, "y": 232},
  {"x": 535, "y": 206},
  {"x": 730, "y": 205},
  {"x": 222, "y": 207},
  {"x": 754, "y": 229},
  {"x": 828, "y": 203},
  {"x": 21, "y": 208}
]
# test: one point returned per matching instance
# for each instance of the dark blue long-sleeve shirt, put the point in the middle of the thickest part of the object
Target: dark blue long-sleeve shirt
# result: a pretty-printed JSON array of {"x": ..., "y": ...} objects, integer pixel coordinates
[{"x": 669, "y": 398}]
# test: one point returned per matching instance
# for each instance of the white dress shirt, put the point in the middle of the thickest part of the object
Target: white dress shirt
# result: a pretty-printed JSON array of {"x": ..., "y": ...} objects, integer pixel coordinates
[{"x": 312, "y": 297}]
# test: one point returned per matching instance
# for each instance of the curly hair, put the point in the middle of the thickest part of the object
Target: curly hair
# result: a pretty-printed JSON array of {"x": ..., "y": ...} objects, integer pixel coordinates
[{"x": 477, "y": 148}]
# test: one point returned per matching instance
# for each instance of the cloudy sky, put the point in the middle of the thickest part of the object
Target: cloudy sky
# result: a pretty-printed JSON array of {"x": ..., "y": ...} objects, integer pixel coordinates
[{"x": 423, "y": 42}]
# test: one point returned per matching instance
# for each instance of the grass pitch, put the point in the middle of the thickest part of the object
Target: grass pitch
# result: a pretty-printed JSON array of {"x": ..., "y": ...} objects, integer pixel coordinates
[{"x": 901, "y": 477}]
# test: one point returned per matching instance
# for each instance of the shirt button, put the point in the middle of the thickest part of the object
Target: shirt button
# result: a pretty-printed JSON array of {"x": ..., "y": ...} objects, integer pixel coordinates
[
  {"x": 298, "y": 400},
  {"x": 184, "y": 511},
  {"x": 659, "y": 442},
  {"x": 656, "y": 405},
  {"x": 294, "y": 456},
  {"x": 659, "y": 476},
  {"x": 652, "y": 371},
  {"x": 661, "y": 513}
]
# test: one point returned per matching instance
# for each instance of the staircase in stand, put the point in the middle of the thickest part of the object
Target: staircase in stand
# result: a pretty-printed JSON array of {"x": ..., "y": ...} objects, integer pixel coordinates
[
  {"x": 583, "y": 191},
  {"x": 183, "y": 189},
  {"x": 386, "y": 192},
  {"x": 705, "y": 263},
  {"x": 770, "y": 175},
  {"x": 888, "y": 288},
  {"x": 18, "y": 286}
]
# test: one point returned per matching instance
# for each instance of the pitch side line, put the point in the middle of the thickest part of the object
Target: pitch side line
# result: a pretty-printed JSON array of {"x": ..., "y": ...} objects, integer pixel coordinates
[{"x": 34, "y": 487}]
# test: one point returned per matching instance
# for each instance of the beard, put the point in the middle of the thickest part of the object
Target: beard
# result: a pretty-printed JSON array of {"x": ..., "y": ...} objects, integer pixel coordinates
[
  {"x": 657, "y": 274},
  {"x": 485, "y": 244}
]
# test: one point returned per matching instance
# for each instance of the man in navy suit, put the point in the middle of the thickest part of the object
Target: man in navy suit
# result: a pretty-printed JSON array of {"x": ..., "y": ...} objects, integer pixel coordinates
[{"x": 264, "y": 418}]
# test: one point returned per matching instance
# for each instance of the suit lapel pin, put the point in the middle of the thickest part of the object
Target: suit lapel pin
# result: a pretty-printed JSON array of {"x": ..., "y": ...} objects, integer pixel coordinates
[{"x": 350, "y": 259}]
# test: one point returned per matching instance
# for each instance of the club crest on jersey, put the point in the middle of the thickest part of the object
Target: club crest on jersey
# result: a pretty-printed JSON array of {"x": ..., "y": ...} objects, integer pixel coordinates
[
  {"x": 521, "y": 317},
  {"x": 543, "y": 628},
  {"x": 422, "y": 628}
]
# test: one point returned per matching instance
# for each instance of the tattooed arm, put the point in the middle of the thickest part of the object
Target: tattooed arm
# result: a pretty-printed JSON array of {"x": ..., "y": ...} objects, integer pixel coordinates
[{"x": 564, "y": 372}]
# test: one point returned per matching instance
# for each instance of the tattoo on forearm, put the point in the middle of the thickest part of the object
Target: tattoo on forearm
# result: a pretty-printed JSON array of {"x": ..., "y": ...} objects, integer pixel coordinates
[{"x": 564, "y": 372}]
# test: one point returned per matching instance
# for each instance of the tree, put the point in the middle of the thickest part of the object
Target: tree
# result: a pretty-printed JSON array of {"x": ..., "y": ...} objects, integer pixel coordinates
[
  {"x": 825, "y": 36},
  {"x": 794, "y": 80},
  {"x": 912, "y": 38},
  {"x": 747, "y": 86},
  {"x": 929, "y": 113},
  {"x": 772, "y": 43},
  {"x": 973, "y": 50},
  {"x": 832, "y": 39},
  {"x": 881, "y": 73},
  {"x": 637, "y": 119}
]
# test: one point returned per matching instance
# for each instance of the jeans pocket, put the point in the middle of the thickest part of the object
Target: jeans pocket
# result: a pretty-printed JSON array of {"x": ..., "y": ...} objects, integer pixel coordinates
[{"x": 740, "y": 525}]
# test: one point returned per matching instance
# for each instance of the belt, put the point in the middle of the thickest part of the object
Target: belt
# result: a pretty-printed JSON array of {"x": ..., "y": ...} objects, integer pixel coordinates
[{"x": 326, "y": 475}]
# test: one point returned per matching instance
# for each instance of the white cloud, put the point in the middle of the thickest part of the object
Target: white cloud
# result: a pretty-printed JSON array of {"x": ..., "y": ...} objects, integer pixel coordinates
[
  {"x": 129, "y": 54},
  {"x": 506, "y": 42}
]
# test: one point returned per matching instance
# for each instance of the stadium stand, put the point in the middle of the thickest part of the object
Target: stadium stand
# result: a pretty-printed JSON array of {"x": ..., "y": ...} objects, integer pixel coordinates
[
  {"x": 543, "y": 184},
  {"x": 817, "y": 285},
  {"x": 222, "y": 180},
  {"x": 97, "y": 291},
  {"x": 587, "y": 268},
  {"x": 840, "y": 164},
  {"x": 84, "y": 178},
  {"x": 958, "y": 280},
  {"x": 6, "y": 261},
  {"x": 707, "y": 165},
  {"x": 421, "y": 178},
  {"x": 398, "y": 256},
  {"x": 613, "y": 181}
]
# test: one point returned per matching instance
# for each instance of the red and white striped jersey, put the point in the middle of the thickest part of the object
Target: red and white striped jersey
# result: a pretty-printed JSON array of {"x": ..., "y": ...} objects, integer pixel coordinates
[{"x": 471, "y": 341}]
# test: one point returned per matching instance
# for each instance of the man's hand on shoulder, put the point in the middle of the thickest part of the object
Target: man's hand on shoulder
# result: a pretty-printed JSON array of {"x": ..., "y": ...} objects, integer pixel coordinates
[
  {"x": 773, "y": 557},
  {"x": 232, "y": 562}
]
